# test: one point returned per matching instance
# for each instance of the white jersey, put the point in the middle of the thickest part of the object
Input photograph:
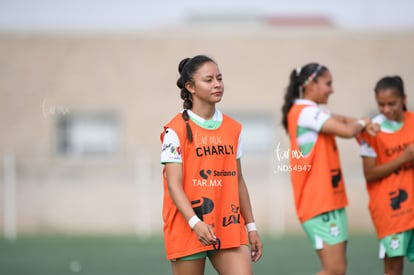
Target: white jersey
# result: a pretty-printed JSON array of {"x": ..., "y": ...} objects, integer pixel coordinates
[
  {"x": 311, "y": 120},
  {"x": 171, "y": 142},
  {"x": 386, "y": 126}
]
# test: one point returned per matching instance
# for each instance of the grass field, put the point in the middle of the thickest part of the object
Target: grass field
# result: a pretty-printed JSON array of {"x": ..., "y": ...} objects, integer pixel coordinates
[{"x": 130, "y": 255}]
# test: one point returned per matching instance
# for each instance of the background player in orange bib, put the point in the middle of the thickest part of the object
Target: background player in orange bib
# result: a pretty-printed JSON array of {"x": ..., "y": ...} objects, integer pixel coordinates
[
  {"x": 206, "y": 209},
  {"x": 389, "y": 172},
  {"x": 317, "y": 180}
]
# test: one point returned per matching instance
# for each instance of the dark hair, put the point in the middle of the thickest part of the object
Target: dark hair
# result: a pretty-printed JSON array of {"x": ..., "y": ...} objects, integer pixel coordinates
[
  {"x": 187, "y": 68},
  {"x": 298, "y": 81},
  {"x": 391, "y": 82}
]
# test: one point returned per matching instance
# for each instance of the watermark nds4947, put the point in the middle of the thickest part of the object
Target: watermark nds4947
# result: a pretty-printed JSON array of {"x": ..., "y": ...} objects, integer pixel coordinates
[{"x": 284, "y": 155}]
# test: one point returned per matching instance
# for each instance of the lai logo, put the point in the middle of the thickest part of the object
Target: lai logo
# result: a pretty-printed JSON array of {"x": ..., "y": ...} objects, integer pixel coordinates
[{"x": 234, "y": 217}]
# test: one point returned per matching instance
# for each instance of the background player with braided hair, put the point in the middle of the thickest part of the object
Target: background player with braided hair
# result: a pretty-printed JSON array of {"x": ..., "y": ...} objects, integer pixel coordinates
[{"x": 206, "y": 211}]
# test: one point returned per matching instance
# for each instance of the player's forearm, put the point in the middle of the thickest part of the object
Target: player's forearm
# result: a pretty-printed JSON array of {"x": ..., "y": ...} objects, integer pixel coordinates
[
  {"x": 343, "y": 119},
  {"x": 378, "y": 172},
  {"x": 174, "y": 176},
  {"x": 180, "y": 200},
  {"x": 245, "y": 205}
]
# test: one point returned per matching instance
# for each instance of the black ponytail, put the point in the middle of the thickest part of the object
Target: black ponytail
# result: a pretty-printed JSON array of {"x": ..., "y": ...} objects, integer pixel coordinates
[
  {"x": 187, "y": 67},
  {"x": 292, "y": 92},
  {"x": 298, "y": 81}
]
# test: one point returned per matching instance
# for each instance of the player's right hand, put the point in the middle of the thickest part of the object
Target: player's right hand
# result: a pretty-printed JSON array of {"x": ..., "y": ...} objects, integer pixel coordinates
[
  {"x": 205, "y": 233},
  {"x": 409, "y": 152}
]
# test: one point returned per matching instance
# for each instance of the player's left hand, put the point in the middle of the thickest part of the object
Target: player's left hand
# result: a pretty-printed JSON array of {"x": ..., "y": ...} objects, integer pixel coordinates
[
  {"x": 372, "y": 129},
  {"x": 255, "y": 246}
]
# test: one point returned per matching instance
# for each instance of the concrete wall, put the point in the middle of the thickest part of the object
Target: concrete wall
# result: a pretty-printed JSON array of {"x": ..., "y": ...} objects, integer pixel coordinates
[{"x": 46, "y": 75}]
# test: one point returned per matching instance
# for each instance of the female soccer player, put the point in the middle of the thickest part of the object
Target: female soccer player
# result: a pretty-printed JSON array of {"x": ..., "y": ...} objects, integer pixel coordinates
[
  {"x": 389, "y": 173},
  {"x": 206, "y": 208},
  {"x": 316, "y": 175}
]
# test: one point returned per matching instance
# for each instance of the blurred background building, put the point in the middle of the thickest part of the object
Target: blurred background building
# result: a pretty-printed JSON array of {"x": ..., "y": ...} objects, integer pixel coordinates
[{"x": 86, "y": 87}]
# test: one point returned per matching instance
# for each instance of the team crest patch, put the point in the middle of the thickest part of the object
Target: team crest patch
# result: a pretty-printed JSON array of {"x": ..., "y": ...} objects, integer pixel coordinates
[
  {"x": 395, "y": 243},
  {"x": 334, "y": 230}
]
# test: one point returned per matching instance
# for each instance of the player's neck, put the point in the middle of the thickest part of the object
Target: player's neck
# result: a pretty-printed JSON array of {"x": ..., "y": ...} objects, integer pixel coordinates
[{"x": 205, "y": 111}]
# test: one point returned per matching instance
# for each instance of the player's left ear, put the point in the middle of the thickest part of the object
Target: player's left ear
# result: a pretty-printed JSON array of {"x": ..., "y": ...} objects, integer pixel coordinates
[{"x": 190, "y": 87}]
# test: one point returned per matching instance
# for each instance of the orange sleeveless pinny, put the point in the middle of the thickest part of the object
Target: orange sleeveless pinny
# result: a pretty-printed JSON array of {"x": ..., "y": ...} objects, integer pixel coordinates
[
  {"x": 391, "y": 199},
  {"x": 210, "y": 181},
  {"x": 321, "y": 188}
]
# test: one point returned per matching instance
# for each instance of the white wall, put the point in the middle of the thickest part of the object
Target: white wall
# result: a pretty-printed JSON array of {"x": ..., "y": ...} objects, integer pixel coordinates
[{"x": 130, "y": 15}]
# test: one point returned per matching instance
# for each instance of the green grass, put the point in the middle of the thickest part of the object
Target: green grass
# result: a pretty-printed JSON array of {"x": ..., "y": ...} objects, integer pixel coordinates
[{"x": 291, "y": 255}]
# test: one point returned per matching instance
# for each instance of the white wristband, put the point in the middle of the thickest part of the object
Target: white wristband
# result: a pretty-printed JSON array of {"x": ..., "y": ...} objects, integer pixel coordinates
[
  {"x": 362, "y": 123},
  {"x": 193, "y": 220},
  {"x": 251, "y": 227}
]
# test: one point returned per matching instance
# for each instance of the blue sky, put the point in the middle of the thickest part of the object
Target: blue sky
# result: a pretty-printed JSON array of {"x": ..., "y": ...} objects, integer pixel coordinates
[{"x": 150, "y": 14}]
